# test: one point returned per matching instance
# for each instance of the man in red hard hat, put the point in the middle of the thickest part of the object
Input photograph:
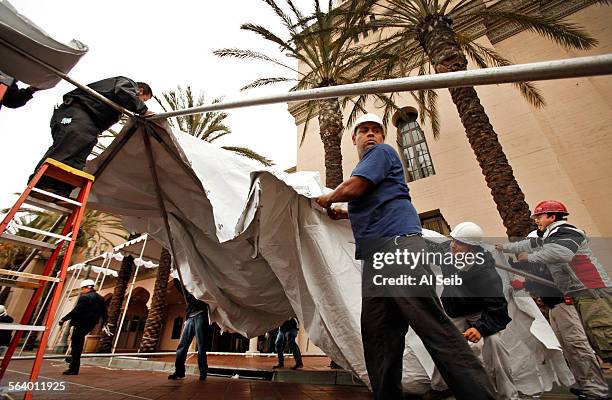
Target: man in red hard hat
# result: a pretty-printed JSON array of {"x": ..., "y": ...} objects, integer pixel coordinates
[{"x": 577, "y": 273}]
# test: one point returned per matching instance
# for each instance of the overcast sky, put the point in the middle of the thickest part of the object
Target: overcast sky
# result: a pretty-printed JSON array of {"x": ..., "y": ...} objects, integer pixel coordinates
[{"x": 162, "y": 43}]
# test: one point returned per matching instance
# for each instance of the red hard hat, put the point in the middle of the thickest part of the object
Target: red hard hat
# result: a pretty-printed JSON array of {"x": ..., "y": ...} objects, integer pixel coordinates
[{"x": 549, "y": 206}]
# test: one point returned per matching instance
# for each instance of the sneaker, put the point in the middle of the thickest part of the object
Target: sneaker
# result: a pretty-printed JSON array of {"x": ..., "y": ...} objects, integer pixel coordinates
[
  {"x": 277, "y": 366},
  {"x": 70, "y": 372},
  {"x": 297, "y": 366},
  {"x": 176, "y": 376}
]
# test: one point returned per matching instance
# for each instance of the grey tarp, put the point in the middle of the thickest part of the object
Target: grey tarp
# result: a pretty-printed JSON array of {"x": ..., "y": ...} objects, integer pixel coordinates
[
  {"x": 22, "y": 33},
  {"x": 250, "y": 242}
]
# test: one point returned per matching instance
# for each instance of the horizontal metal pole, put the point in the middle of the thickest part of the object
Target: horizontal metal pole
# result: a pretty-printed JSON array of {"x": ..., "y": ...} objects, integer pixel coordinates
[
  {"x": 65, "y": 77},
  {"x": 144, "y": 355},
  {"x": 546, "y": 70},
  {"x": 527, "y": 275}
]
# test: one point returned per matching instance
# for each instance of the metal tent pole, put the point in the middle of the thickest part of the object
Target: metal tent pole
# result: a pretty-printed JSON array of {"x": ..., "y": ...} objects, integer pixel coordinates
[
  {"x": 108, "y": 261},
  {"x": 127, "y": 303},
  {"x": 545, "y": 70}
]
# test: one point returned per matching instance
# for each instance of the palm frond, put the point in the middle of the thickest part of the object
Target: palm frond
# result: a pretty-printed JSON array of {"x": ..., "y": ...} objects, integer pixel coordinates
[{"x": 246, "y": 152}]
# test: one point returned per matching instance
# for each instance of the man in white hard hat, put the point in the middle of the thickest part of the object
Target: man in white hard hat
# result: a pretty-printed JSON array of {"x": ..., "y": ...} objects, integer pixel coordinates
[
  {"x": 384, "y": 221},
  {"x": 84, "y": 317},
  {"x": 475, "y": 301}
]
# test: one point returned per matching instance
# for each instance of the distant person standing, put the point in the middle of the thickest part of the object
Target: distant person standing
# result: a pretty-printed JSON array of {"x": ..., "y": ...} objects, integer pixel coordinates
[
  {"x": 84, "y": 317},
  {"x": 5, "y": 335},
  {"x": 196, "y": 326},
  {"x": 287, "y": 333}
]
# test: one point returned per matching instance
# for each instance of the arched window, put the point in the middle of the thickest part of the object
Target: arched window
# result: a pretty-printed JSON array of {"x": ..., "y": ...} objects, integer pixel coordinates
[{"x": 413, "y": 147}]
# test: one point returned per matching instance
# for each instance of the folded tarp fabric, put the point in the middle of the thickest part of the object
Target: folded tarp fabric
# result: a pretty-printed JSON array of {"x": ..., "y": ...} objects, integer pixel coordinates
[
  {"x": 249, "y": 240},
  {"x": 22, "y": 33}
]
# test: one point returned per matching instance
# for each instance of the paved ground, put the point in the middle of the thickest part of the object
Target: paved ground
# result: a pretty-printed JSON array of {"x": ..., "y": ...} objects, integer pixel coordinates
[
  {"x": 311, "y": 363},
  {"x": 97, "y": 383}
]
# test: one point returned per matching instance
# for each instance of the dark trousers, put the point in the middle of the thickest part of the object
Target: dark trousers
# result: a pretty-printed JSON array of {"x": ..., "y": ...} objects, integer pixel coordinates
[
  {"x": 385, "y": 322},
  {"x": 194, "y": 326},
  {"x": 74, "y": 137},
  {"x": 77, "y": 341},
  {"x": 287, "y": 337}
]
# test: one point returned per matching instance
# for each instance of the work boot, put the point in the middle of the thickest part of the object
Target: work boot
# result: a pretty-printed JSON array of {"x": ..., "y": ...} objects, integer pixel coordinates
[
  {"x": 70, "y": 372},
  {"x": 279, "y": 365},
  {"x": 297, "y": 366},
  {"x": 176, "y": 376},
  {"x": 202, "y": 377}
]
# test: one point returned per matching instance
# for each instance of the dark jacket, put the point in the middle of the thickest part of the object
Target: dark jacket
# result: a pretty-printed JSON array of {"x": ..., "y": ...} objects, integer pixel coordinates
[
  {"x": 90, "y": 307},
  {"x": 288, "y": 325},
  {"x": 120, "y": 90},
  {"x": 481, "y": 291},
  {"x": 193, "y": 305},
  {"x": 5, "y": 335},
  {"x": 15, "y": 97}
]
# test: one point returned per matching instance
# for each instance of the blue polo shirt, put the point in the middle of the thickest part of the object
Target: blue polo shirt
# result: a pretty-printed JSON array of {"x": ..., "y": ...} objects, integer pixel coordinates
[{"x": 385, "y": 210}]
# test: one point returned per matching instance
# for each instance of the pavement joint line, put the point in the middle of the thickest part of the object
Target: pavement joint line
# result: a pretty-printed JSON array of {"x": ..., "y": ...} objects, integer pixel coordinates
[{"x": 83, "y": 385}]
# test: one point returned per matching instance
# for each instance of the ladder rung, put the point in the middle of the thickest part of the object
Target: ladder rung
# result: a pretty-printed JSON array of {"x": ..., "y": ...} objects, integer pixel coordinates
[
  {"x": 18, "y": 284},
  {"x": 19, "y": 327},
  {"x": 7, "y": 237},
  {"x": 56, "y": 196},
  {"x": 33, "y": 201},
  {"x": 41, "y": 232},
  {"x": 28, "y": 275}
]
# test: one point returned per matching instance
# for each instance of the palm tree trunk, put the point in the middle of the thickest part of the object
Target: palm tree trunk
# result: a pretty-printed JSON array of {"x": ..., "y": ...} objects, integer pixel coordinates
[
  {"x": 330, "y": 129},
  {"x": 439, "y": 41},
  {"x": 114, "y": 309},
  {"x": 157, "y": 313}
]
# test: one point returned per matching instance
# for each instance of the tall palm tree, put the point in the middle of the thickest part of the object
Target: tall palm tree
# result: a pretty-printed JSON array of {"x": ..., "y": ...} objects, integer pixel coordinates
[
  {"x": 157, "y": 312},
  {"x": 327, "y": 48},
  {"x": 426, "y": 35},
  {"x": 208, "y": 126}
]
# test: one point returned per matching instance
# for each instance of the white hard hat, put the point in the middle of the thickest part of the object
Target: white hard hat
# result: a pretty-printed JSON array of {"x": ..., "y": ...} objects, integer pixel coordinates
[
  {"x": 369, "y": 117},
  {"x": 2, "y": 310},
  {"x": 468, "y": 232},
  {"x": 87, "y": 282}
]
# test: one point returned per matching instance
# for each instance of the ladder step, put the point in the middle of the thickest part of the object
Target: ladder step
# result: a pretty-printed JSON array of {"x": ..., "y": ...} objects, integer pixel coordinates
[
  {"x": 19, "y": 327},
  {"x": 27, "y": 275},
  {"x": 18, "y": 284},
  {"x": 33, "y": 201},
  {"x": 40, "y": 232},
  {"x": 7, "y": 237},
  {"x": 56, "y": 196}
]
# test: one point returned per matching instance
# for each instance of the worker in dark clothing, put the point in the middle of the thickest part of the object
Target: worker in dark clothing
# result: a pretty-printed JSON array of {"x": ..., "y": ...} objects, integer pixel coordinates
[
  {"x": 88, "y": 311},
  {"x": 77, "y": 122},
  {"x": 385, "y": 223},
  {"x": 474, "y": 299},
  {"x": 5, "y": 334},
  {"x": 196, "y": 325},
  {"x": 14, "y": 97},
  {"x": 287, "y": 333}
]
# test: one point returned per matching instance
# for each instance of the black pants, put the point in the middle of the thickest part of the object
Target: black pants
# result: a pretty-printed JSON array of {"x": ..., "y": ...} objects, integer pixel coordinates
[
  {"x": 74, "y": 137},
  {"x": 385, "y": 322},
  {"x": 77, "y": 342}
]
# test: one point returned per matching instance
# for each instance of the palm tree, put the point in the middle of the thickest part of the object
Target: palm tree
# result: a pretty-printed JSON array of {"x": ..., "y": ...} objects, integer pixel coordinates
[
  {"x": 330, "y": 55},
  {"x": 426, "y": 35},
  {"x": 157, "y": 312},
  {"x": 208, "y": 126}
]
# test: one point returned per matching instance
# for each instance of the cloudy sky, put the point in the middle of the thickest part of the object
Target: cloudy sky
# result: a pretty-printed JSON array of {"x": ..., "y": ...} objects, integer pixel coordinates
[{"x": 164, "y": 44}]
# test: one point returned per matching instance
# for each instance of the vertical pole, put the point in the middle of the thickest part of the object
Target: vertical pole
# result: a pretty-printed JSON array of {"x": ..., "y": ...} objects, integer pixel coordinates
[
  {"x": 127, "y": 303},
  {"x": 108, "y": 261}
]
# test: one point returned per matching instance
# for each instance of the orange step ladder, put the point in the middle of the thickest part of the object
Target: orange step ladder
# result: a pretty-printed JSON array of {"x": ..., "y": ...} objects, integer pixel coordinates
[{"x": 73, "y": 211}]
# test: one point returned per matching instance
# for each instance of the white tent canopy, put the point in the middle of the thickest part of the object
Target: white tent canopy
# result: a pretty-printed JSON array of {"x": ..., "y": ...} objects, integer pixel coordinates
[
  {"x": 251, "y": 243},
  {"x": 18, "y": 32}
]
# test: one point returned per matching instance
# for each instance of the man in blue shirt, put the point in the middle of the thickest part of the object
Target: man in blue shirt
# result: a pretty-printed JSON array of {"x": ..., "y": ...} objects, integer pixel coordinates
[{"x": 385, "y": 222}]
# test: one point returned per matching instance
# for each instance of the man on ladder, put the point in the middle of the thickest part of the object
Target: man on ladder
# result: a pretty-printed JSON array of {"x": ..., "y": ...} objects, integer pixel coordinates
[{"x": 84, "y": 317}]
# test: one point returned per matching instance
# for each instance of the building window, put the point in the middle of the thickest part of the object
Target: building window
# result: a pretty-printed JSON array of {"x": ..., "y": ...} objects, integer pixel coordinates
[
  {"x": 413, "y": 148},
  {"x": 434, "y": 221},
  {"x": 177, "y": 328}
]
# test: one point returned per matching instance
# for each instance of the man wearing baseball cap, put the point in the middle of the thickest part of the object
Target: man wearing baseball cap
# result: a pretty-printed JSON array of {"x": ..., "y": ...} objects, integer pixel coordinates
[
  {"x": 577, "y": 273},
  {"x": 384, "y": 221},
  {"x": 84, "y": 317}
]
